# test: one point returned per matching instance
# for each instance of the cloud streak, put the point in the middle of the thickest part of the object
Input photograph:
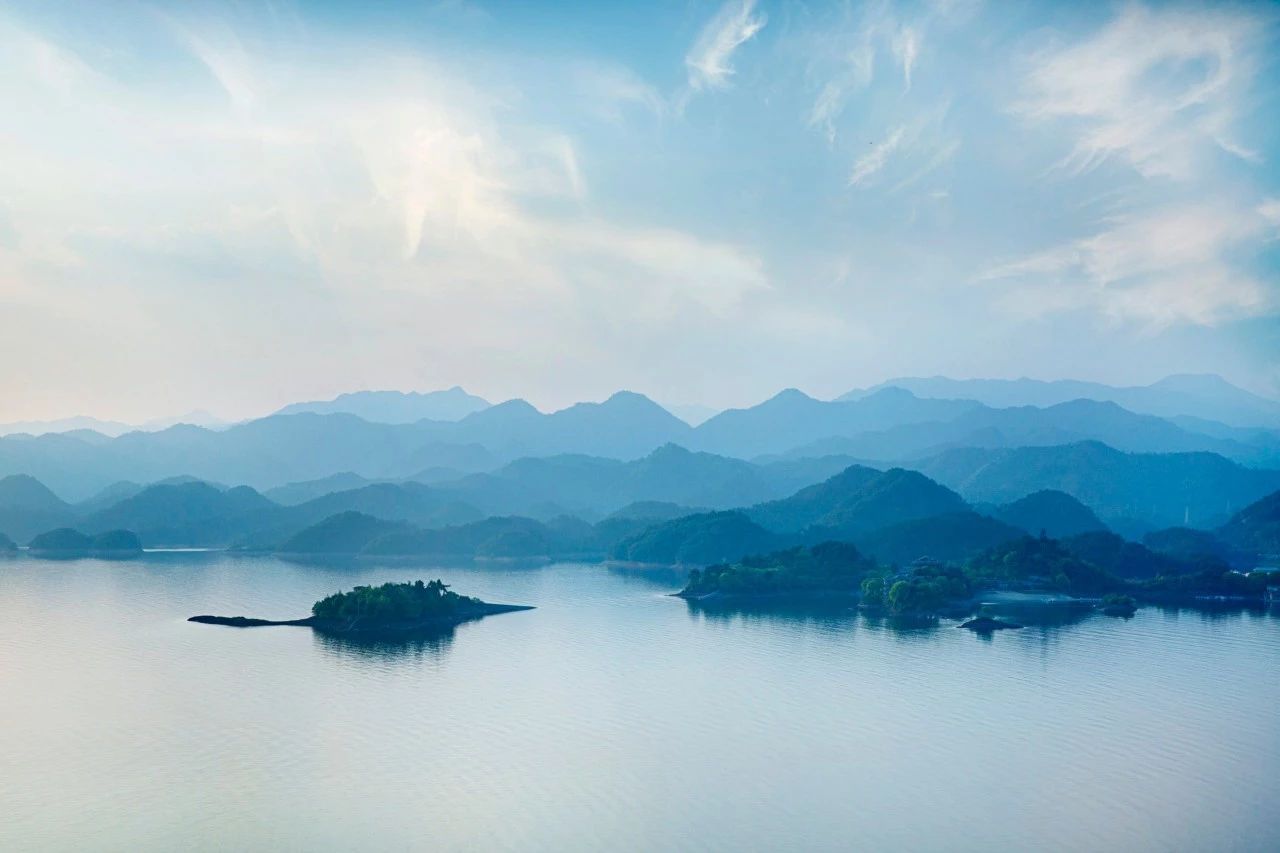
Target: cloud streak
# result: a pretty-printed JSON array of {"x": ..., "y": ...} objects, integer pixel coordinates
[
  {"x": 870, "y": 164},
  {"x": 710, "y": 60},
  {"x": 1159, "y": 268},
  {"x": 1153, "y": 89}
]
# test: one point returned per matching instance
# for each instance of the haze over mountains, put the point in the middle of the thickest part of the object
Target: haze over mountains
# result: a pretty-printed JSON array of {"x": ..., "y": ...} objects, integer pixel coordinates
[
  {"x": 395, "y": 407},
  {"x": 312, "y": 441},
  {"x": 1204, "y": 396},
  {"x": 889, "y": 467}
]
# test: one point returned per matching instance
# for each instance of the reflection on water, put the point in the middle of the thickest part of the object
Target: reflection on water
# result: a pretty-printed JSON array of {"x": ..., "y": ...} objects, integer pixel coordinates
[
  {"x": 813, "y": 613},
  {"x": 614, "y": 716},
  {"x": 1044, "y": 616},
  {"x": 415, "y": 647}
]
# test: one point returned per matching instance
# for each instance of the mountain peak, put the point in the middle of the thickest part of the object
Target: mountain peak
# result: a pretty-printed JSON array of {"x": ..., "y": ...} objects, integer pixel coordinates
[
  {"x": 23, "y": 490},
  {"x": 789, "y": 395},
  {"x": 630, "y": 398}
]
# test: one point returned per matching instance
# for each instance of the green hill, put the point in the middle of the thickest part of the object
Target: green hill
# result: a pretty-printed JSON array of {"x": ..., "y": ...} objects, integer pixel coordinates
[
  {"x": 829, "y": 567},
  {"x": 344, "y": 534},
  {"x": 1256, "y": 527},
  {"x": 499, "y": 536},
  {"x": 28, "y": 507},
  {"x": 185, "y": 514},
  {"x": 1049, "y": 510},
  {"x": 68, "y": 542},
  {"x": 1131, "y": 492},
  {"x": 713, "y": 537},
  {"x": 1189, "y": 546},
  {"x": 857, "y": 500},
  {"x": 1122, "y": 558},
  {"x": 953, "y": 537},
  {"x": 1042, "y": 562}
]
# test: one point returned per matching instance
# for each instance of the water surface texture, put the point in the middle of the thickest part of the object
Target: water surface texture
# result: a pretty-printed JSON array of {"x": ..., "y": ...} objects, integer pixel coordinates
[{"x": 612, "y": 717}]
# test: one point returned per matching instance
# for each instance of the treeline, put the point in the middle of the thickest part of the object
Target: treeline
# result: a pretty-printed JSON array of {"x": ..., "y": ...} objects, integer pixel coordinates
[{"x": 1027, "y": 563}]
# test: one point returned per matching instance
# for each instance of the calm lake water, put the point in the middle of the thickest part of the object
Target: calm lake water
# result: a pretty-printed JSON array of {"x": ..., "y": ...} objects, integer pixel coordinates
[{"x": 612, "y": 718}]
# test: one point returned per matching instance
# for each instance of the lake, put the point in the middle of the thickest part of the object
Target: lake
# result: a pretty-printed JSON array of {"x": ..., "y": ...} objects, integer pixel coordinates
[{"x": 613, "y": 717}]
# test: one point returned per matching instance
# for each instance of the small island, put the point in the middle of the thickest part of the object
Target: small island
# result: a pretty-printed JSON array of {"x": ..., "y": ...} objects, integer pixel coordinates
[
  {"x": 65, "y": 542},
  {"x": 393, "y": 608}
]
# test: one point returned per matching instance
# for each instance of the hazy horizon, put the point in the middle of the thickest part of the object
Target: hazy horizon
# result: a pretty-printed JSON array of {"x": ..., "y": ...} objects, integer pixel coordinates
[
  {"x": 692, "y": 412},
  {"x": 233, "y": 208}
]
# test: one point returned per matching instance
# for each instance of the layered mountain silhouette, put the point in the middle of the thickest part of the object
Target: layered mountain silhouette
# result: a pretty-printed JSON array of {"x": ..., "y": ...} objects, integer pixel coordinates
[
  {"x": 1203, "y": 396},
  {"x": 1132, "y": 492},
  {"x": 395, "y": 407},
  {"x": 892, "y": 425}
]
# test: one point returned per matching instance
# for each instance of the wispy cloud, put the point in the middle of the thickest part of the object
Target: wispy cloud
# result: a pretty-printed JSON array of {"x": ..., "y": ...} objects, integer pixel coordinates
[
  {"x": 710, "y": 60},
  {"x": 608, "y": 89},
  {"x": 906, "y": 47},
  {"x": 841, "y": 51},
  {"x": 873, "y": 161},
  {"x": 855, "y": 74},
  {"x": 1154, "y": 88},
  {"x": 1157, "y": 268}
]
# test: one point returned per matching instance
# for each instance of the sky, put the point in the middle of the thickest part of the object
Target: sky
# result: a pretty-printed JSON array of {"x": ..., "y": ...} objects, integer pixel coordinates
[{"x": 234, "y": 206}]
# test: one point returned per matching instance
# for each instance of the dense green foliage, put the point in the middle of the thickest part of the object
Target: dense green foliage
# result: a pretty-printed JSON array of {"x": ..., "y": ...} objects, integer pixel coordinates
[
  {"x": 392, "y": 603},
  {"x": 1210, "y": 582},
  {"x": 926, "y": 586},
  {"x": 828, "y": 567},
  {"x": 1126, "y": 559},
  {"x": 1040, "y": 562},
  {"x": 703, "y": 539}
]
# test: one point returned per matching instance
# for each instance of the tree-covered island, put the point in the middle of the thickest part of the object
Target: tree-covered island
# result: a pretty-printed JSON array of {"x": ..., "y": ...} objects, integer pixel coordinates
[
  {"x": 66, "y": 542},
  {"x": 392, "y": 608},
  {"x": 1052, "y": 568}
]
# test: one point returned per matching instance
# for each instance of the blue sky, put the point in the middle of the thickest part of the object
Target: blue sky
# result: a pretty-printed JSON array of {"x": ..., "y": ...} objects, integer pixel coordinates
[{"x": 231, "y": 206}]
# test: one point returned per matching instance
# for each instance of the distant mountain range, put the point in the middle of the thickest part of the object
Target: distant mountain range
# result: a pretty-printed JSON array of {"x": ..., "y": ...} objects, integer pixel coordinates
[
  {"x": 87, "y": 427},
  {"x": 395, "y": 407},
  {"x": 1203, "y": 396},
  {"x": 1132, "y": 492},
  {"x": 886, "y": 427},
  {"x": 185, "y": 511},
  {"x": 896, "y": 515}
]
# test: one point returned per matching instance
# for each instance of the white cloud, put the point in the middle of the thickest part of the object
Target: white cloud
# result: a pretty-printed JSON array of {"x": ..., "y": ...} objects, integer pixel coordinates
[
  {"x": 873, "y": 161},
  {"x": 1161, "y": 267},
  {"x": 1155, "y": 88},
  {"x": 831, "y": 101},
  {"x": 1269, "y": 210},
  {"x": 710, "y": 60},
  {"x": 380, "y": 197},
  {"x": 906, "y": 47},
  {"x": 608, "y": 89}
]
